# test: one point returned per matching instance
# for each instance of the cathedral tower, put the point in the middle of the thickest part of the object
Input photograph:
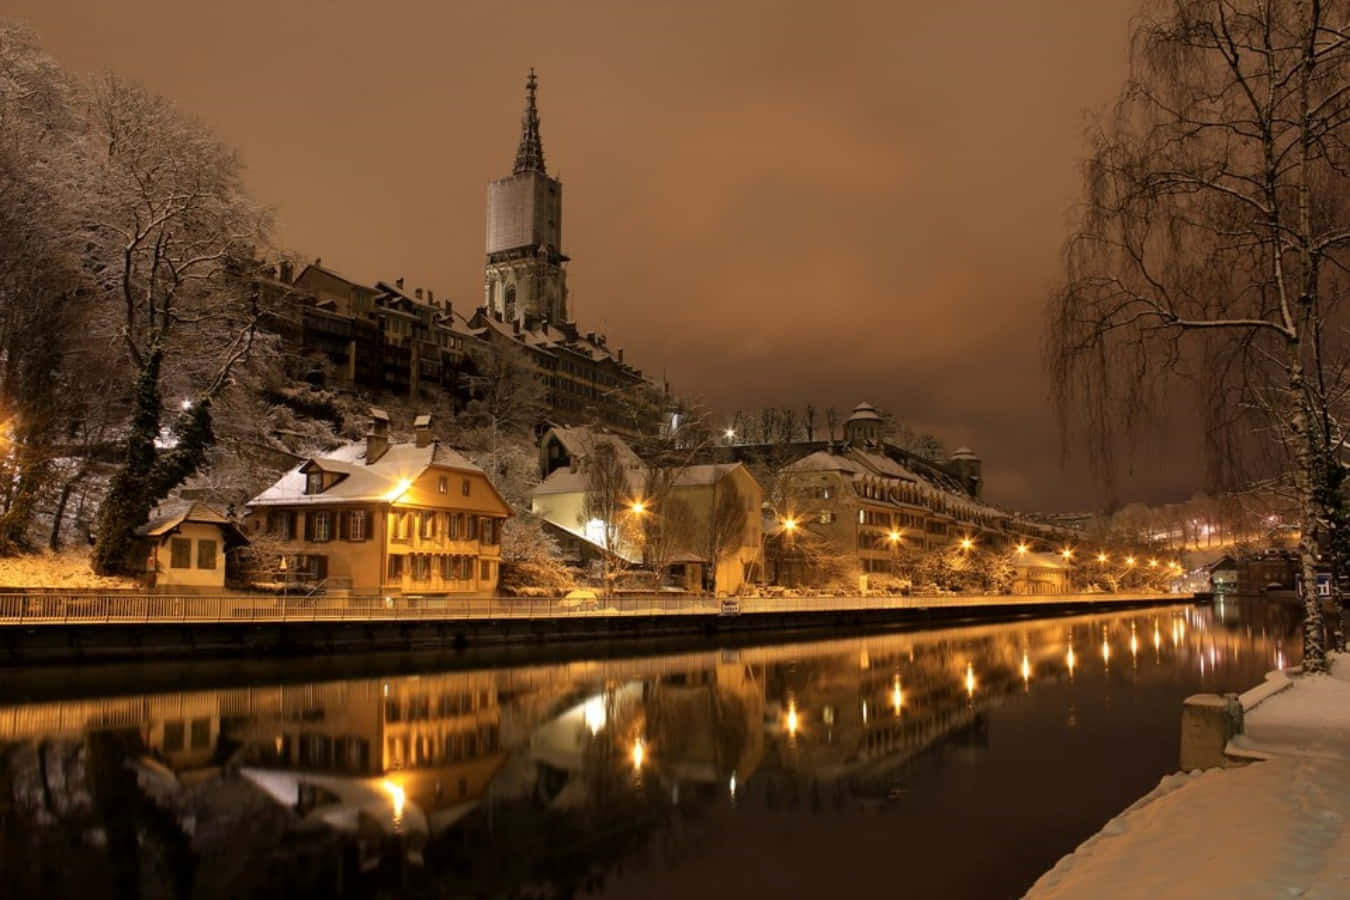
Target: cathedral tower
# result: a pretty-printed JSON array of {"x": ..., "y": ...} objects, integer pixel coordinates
[{"x": 524, "y": 279}]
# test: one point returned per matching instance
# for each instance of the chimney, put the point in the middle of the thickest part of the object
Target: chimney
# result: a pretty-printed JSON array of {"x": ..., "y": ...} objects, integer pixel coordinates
[
  {"x": 422, "y": 430},
  {"x": 287, "y": 271},
  {"x": 418, "y": 293},
  {"x": 620, "y": 354},
  {"x": 431, "y": 297},
  {"x": 398, "y": 283},
  {"x": 377, "y": 439}
]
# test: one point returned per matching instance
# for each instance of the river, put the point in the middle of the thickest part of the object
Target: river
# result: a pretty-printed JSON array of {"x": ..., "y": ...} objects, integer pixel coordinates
[{"x": 960, "y": 762}]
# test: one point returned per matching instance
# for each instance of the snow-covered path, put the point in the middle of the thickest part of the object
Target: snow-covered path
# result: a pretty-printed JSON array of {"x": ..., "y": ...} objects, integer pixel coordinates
[{"x": 1271, "y": 829}]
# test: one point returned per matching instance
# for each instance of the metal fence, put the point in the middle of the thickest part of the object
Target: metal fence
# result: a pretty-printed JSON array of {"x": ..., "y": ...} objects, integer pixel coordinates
[{"x": 127, "y": 607}]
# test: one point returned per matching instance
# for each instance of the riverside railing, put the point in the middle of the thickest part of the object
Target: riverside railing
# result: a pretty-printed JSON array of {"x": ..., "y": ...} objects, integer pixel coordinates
[{"x": 126, "y": 607}]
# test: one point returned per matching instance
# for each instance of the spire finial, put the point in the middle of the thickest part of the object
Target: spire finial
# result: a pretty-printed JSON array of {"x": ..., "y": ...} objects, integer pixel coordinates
[{"x": 530, "y": 153}]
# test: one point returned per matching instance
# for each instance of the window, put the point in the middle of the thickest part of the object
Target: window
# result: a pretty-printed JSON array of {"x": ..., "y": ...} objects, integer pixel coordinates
[
  {"x": 201, "y": 733},
  {"x": 321, "y": 527},
  {"x": 180, "y": 553},
  {"x": 443, "y": 485},
  {"x": 862, "y": 517},
  {"x": 428, "y": 524},
  {"x": 826, "y": 517},
  {"x": 395, "y": 566},
  {"x": 400, "y": 526},
  {"x": 174, "y": 732},
  {"x": 473, "y": 528},
  {"x": 484, "y": 570},
  {"x": 357, "y": 525},
  {"x": 314, "y": 483},
  {"x": 465, "y": 568},
  {"x": 464, "y": 487},
  {"x": 281, "y": 524},
  {"x": 421, "y": 567},
  {"x": 447, "y": 568},
  {"x": 206, "y": 554}
]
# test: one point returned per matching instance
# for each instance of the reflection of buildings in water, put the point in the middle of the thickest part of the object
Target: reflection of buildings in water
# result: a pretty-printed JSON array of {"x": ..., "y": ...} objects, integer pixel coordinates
[{"x": 442, "y": 739}]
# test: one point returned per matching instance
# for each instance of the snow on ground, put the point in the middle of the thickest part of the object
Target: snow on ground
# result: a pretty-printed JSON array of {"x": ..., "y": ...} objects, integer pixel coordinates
[
  {"x": 68, "y": 569},
  {"x": 1270, "y": 829}
]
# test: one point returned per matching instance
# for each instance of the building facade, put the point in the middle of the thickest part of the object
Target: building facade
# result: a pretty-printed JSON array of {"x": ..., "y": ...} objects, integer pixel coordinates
[{"x": 398, "y": 519}]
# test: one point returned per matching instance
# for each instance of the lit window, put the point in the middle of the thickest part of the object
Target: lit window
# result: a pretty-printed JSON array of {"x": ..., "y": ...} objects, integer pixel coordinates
[
  {"x": 356, "y": 525},
  {"x": 443, "y": 485},
  {"x": 314, "y": 483},
  {"x": 464, "y": 488}
]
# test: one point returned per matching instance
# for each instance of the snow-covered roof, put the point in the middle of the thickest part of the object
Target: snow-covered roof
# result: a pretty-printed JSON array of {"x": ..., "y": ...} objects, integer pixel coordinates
[
  {"x": 170, "y": 514},
  {"x": 823, "y": 461},
  {"x": 566, "y": 481},
  {"x": 580, "y": 442},
  {"x": 362, "y": 482},
  {"x": 864, "y": 412}
]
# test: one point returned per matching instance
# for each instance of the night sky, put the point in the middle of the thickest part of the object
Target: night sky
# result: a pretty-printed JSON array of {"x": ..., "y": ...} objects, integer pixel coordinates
[{"x": 771, "y": 202}]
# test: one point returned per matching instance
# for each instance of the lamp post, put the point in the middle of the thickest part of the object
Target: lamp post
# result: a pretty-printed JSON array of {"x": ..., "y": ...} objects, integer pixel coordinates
[{"x": 282, "y": 568}]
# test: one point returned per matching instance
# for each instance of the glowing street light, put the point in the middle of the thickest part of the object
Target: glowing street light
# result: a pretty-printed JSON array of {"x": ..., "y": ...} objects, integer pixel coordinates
[
  {"x": 793, "y": 723},
  {"x": 730, "y": 433},
  {"x": 970, "y": 680},
  {"x": 897, "y": 695},
  {"x": 1026, "y": 668},
  {"x": 1022, "y": 549},
  {"x": 1153, "y": 564},
  {"x": 1067, "y": 553},
  {"x": 893, "y": 537},
  {"x": 789, "y": 525},
  {"x": 966, "y": 544},
  {"x": 1129, "y": 560},
  {"x": 1101, "y": 557},
  {"x": 639, "y": 753},
  {"x": 638, "y": 507}
]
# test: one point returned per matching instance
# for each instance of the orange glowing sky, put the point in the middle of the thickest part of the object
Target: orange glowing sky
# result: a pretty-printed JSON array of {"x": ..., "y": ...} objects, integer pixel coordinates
[{"x": 771, "y": 202}]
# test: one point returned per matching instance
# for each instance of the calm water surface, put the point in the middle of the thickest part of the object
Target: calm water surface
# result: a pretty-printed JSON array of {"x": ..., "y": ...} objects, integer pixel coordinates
[{"x": 961, "y": 763}]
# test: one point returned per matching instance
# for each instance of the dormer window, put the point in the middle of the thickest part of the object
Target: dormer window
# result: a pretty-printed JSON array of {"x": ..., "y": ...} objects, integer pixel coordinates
[{"x": 314, "y": 483}]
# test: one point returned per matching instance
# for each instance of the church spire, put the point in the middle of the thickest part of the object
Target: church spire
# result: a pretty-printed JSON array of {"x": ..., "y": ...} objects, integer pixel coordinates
[{"x": 530, "y": 153}]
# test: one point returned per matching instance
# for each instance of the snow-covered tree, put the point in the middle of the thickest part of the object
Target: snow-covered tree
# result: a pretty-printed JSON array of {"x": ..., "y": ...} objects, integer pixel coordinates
[{"x": 1212, "y": 243}]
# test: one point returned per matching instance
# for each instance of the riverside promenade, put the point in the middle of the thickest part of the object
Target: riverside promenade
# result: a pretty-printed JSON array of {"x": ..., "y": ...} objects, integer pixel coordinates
[
  {"x": 43, "y": 626},
  {"x": 1268, "y": 820}
]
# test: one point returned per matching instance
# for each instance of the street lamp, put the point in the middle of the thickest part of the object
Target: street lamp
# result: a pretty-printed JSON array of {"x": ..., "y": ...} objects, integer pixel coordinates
[
  {"x": 282, "y": 568},
  {"x": 1101, "y": 557},
  {"x": 1022, "y": 549},
  {"x": 730, "y": 434},
  {"x": 1067, "y": 553},
  {"x": 789, "y": 525},
  {"x": 638, "y": 507},
  {"x": 967, "y": 544},
  {"x": 1129, "y": 560}
]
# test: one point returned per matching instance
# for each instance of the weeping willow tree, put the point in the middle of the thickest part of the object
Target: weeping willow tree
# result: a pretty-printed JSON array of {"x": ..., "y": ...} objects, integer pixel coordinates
[{"x": 1211, "y": 249}]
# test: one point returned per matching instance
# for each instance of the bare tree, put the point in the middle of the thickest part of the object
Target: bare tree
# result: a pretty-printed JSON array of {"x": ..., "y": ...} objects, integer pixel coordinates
[
  {"x": 726, "y": 523},
  {"x": 609, "y": 499},
  {"x": 1213, "y": 243},
  {"x": 832, "y": 422},
  {"x": 169, "y": 228},
  {"x": 810, "y": 422}
]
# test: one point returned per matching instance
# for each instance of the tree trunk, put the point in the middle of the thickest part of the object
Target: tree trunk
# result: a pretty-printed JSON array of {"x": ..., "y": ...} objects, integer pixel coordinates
[{"x": 127, "y": 505}]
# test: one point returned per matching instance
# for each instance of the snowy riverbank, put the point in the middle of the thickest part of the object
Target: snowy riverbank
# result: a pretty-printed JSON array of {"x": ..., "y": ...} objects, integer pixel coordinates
[{"x": 1270, "y": 829}]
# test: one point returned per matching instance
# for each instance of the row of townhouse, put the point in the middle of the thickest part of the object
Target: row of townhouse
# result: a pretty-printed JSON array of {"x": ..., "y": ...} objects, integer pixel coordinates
[{"x": 412, "y": 344}]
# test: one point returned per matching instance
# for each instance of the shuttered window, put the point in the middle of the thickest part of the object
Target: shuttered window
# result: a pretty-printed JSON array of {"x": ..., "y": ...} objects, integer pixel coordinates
[{"x": 180, "y": 553}]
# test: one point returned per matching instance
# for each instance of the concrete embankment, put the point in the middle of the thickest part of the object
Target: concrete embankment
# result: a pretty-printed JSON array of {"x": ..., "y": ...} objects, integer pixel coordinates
[{"x": 56, "y": 642}]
